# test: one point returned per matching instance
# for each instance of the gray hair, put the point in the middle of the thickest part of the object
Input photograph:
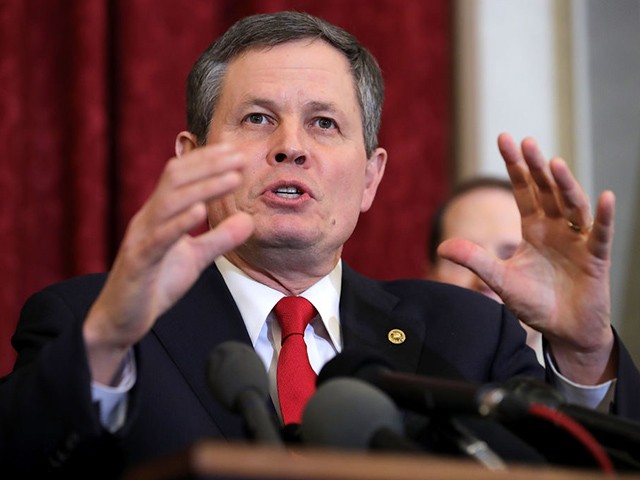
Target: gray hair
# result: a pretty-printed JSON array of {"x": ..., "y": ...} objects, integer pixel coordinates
[{"x": 204, "y": 84}]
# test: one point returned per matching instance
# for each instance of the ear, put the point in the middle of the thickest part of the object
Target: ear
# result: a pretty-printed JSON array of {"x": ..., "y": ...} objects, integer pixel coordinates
[
  {"x": 374, "y": 171},
  {"x": 185, "y": 142}
]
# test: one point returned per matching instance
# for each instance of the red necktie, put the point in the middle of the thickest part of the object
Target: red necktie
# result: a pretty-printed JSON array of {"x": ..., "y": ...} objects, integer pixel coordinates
[{"x": 296, "y": 379}]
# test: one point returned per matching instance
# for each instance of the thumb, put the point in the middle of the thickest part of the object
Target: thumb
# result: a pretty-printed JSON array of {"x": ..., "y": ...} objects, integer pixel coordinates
[
  {"x": 475, "y": 258},
  {"x": 225, "y": 236}
]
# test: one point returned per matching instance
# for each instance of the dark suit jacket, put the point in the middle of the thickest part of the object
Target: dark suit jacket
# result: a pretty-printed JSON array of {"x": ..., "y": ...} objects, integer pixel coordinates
[{"x": 50, "y": 420}]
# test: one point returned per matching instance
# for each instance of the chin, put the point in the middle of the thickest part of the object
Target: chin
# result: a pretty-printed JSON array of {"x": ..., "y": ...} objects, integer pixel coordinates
[{"x": 297, "y": 239}]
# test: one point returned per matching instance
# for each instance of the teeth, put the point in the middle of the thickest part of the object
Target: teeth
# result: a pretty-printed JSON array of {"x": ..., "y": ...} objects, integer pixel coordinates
[{"x": 287, "y": 190}]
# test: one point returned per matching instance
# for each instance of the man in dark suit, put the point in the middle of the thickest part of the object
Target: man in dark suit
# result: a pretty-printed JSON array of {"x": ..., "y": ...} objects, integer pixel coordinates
[{"x": 281, "y": 157}]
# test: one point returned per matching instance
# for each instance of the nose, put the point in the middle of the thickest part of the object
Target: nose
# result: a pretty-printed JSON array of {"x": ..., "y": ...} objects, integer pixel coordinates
[
  {"x": 297, "y": 159},
  {"x": 288, "y": 145}
]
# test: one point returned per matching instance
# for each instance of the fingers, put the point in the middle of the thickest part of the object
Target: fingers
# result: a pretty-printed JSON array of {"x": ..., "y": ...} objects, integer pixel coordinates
[
  {"x": 148, "y": 242},
  {"x": 543, "y": 188},
  {"x": 200, "y": 162},
  {"x": 600, "y": 239},
  {"x": 226, "y": 236},
  {"x": 575, "y": 203},
  {"x": 523, "y": 191},
  {"x": 542, "y": 176},
  {"x": 475, "y": 258},
  {"x": 207, "y": 246},
  {"x": 201, "y": 175},
  {"x": 178, "y": 204}
]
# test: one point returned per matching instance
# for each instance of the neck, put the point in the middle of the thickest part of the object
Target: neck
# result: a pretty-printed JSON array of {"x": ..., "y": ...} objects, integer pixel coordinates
[{"x": 289, "y": 272}]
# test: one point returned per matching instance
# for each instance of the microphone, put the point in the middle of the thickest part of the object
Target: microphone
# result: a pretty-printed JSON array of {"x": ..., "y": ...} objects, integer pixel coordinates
[
  {"x": 351, "y": 414},
  {"x": 616, "y": 433},
  {"x": 238, "y": 380},
  {"x": 509, "y": 402},
  {"x": 423, "y": 394}
]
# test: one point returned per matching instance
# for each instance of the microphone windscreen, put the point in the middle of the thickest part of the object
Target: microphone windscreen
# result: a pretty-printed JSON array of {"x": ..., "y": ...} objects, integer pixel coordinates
[
  {"x": 348, "y": 413},
  {"x": 235, "y": 368},
  {"x": 351, "y": 363},
  {"x": 532, "y": 390}
]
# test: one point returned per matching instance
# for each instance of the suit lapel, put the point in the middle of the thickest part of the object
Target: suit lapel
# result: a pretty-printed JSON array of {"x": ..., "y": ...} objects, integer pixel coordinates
[
  {"x": 204, "y": 318},
  {"x": 376, "y": 320},
  {"x": 369, "y": 323}
]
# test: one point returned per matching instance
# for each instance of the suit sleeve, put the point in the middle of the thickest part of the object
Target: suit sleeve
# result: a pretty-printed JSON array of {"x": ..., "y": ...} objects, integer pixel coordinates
[
  {"x": 511, "y": 360},
  {"x": 627, "y": 396},
  {"x": 48, "y": 419}
]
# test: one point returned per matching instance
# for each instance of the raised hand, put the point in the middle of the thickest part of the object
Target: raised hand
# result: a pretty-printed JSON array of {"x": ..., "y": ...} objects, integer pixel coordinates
[
  {"x": 159, "y": 260},
  {"x": 558, "y": 280}
]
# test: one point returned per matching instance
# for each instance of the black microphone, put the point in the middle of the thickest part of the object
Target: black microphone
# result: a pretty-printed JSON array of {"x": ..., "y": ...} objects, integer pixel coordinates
[
  {"x": 617, "y": 433},
  {"x": 507, "y": 402},
  {"x": 351, "y": 414},
  {"x": 451, "y": 400},
  {"x": 420, "y": 393},
  {"x": 238, "y": 380}
]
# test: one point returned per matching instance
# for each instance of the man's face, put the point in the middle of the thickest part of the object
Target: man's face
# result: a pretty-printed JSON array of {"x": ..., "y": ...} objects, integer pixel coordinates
[
  {"x": 293, "y": 110},
  {"x": 488, "y": 217}
]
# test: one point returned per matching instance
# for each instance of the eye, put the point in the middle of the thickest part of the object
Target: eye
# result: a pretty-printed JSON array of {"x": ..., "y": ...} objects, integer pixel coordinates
[
  {"x": 325, "y": 123},
  {"x": 256, "y": 118}
]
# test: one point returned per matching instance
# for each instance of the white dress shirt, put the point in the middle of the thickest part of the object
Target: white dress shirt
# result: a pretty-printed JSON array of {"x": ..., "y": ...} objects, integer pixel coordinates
[{"x": 256, "y": 301}]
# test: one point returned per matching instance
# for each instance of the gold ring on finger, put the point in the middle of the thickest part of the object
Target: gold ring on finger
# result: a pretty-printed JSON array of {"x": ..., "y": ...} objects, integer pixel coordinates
[{"x": 578, "y": 228}]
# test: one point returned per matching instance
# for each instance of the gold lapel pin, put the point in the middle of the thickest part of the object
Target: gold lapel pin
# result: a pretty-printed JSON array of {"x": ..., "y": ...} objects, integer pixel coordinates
[{"x": 396, "y": 336}]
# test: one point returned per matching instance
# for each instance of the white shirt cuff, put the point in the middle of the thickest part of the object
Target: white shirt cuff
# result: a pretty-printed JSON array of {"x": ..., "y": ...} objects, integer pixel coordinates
[
  {"x": 113, "y": 400},
  {"x": 597, "y": 397}
]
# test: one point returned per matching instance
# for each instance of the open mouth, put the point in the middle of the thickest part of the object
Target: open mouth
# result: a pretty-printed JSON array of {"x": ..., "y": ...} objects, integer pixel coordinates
[{"x": 288, "y": 192}]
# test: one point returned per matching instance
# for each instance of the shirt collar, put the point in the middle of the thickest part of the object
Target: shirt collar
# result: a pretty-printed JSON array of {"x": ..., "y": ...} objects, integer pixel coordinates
[{"x": 255, "y": 300}]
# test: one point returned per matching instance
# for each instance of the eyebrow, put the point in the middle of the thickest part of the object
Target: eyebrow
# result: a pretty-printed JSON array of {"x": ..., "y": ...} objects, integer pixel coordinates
[
  {"x": 316, "y": 106},
  {"x": 312, "y": 106},
  {"x": 259, "y": 102}
]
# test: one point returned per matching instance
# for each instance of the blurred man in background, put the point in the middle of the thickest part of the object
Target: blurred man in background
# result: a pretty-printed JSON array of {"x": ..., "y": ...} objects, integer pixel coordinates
[{"x": 483, "y": 210}]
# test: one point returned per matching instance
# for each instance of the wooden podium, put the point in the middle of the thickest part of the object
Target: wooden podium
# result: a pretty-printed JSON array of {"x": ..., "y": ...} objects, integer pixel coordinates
[{"x": 215, "y": 460}]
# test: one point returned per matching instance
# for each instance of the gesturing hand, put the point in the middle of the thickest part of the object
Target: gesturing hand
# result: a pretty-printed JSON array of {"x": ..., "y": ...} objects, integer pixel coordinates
[
  {"x": 558, "y": 280},
  {"x": 159, "y": 260}
]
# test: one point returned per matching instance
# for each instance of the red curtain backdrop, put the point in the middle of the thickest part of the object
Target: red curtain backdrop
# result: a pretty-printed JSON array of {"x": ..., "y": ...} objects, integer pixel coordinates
[{"x": 92, "y": 96}]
